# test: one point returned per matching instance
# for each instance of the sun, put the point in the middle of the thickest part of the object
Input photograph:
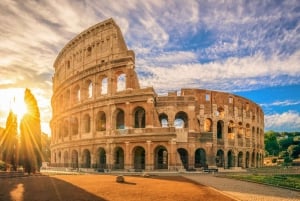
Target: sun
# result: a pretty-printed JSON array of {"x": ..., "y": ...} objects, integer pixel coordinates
[
  {"x": 15, "y": 97},
  {"x": 18, "y": 107}
]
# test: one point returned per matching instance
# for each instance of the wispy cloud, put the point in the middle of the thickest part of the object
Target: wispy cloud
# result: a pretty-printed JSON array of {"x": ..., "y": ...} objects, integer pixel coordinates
[
  {"x": 287, "y": 121},
  {"x": 282, "y": 103}
]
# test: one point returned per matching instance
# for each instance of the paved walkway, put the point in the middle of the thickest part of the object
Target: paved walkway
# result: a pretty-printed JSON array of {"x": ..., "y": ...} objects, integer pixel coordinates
[{"x": 241, "y": 190}]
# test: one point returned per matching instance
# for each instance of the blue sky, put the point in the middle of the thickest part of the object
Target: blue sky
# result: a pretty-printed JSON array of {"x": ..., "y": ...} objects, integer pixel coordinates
[{"x": 250, "y": 48}]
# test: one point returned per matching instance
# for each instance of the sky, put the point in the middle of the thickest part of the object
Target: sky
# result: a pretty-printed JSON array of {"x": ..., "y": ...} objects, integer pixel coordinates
[{"x": 249, "y": 48}]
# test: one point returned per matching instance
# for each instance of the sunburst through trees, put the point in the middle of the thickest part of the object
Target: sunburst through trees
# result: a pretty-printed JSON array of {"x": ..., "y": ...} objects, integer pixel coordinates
[{"x": 28, "y": 154}]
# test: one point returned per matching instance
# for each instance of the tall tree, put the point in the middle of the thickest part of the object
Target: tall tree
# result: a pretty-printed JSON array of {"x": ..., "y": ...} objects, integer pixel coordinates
[
  {"x": 9, "y": 141},
  {"x": 30, "y": 151}
]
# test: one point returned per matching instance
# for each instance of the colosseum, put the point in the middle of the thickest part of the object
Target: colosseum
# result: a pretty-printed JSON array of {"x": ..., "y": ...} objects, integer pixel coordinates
[{"x": 104, "y": 121}]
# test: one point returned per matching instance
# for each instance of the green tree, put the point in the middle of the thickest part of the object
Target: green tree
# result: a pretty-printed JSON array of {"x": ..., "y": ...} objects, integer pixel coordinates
[
  {"x": 271, "y": 144},
  {"x": 294, "y": 151},
  {"x": 285, "y": 143},
  {"x": 31, "y": 147}
]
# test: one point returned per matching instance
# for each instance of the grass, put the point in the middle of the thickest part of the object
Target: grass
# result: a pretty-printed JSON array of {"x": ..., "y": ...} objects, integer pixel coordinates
[{"x": 291, "y": 181}]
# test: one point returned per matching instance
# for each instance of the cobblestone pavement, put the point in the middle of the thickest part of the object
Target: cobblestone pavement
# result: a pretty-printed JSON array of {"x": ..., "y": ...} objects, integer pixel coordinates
[{"x": 241, "y": 190}]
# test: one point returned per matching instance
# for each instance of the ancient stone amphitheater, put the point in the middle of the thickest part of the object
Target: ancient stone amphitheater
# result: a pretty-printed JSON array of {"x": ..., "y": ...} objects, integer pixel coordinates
[{"x": 103, "y": 119}]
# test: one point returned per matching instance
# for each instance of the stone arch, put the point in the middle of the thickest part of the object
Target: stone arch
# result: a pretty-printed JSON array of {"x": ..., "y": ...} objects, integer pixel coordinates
[
  {"x": 74, "y": 159},
  {"x": 104, "y": 85},
  {"x": 100, "y": 121},
  {"x": 240, "y": 159},
  {"x": 161, "y": 157},
  {"x": 163, "y": 119},
  {"x": 66, "y": 159},
  {"x": 76, "y": 94},
  {"x": 74, "y": 125},
  {"x": 89, "y": 51},
  {"x": 86, "y": 123},
  {"x": 230, "y": 131},
  {"x": 139, "y": 117},
  {"x": 181, "y": 120},
  {"x": 240, "y": 132},
  {"x": 220, "y": 129},
  {"x": 220, "y": 158},
  {"x": 200, "y": 158},
  {"x": 184, "y": 157},
  {"x": 87, "y": 89},
  {"x": 86, "y": 159},
  {"x": 208, "y": 125},
  {"x": 101, "y": 159},
  {"x": 118, "y": 158},
  {"x": 121, "y": 81},
  {"x": 120, "y": 119},
  {"x": 230, "y": 159},
  {"x": 139, "y": 158}
]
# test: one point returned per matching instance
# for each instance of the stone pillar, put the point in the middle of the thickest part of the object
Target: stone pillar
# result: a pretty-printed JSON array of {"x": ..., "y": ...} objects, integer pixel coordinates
[
  {"x": 127, "y": 162},
  {"x": 172, "y": 155},
  {"x": 149, "y": 157}
]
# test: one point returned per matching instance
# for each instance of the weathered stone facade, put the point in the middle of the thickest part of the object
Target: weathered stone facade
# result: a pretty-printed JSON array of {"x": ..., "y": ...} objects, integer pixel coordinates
[{"x": 102, "y": 119}]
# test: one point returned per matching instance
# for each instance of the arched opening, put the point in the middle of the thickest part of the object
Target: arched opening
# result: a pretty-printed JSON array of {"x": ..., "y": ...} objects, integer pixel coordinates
[
  {"x": 66, "y": 159},
  {"x": 200, "y": 158},
  {"x": 74, "y": 159},
  {"x": 208, "y": 125},
  {"x": 86, "y": 123},
  {"x": 76, "y": 94},
  {"x": 100, "y": 121},
  {"x": 139, "y": 158},
  {"x": 86, "y": 159},
  {"x": 231, "y": 130},
  {"x": 240, "y": 130},
  {"x": 161, "y": 158},
  {"x": 248, "y": 131},
  {"x": 104, "y": 86},
  {"x": 240, "y": 159},
  {"x": 118, "y": 158},
  {"x": 220, "y": 126},
  {"x": 101, "y": 159},
  {"x": 90, "y": 90},
  {"x": 220, "y": 158},
  {"x": 163, "y": 119},
  {"x": 74, "y": 125},
  {"x": 230, "y": 159},
  {"x": 120, "y": 121},
  {"x": 139, "y": 117},
  {"x": 181, "y": 120},
  {"x": 220, "y": 112},
  {"x": 253, "y": 159},
  {"x": 184, "y": 157},
  {"x": 121, "y": 82}
]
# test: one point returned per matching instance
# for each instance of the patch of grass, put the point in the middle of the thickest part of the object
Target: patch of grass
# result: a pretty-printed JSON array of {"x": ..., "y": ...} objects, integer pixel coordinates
[{"x": 283, "y": 180}]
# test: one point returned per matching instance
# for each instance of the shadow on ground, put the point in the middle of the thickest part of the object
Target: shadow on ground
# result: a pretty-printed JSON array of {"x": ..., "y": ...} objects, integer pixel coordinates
[{"x": 42, "y": 188}]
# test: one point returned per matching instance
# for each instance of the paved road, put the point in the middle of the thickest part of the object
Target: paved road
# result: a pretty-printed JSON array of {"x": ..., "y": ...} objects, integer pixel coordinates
[{"x": 241, "y": 190}]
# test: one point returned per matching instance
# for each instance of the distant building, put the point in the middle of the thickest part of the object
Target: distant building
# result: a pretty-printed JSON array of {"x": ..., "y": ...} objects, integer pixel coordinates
[{"x": 103, "y": 119}]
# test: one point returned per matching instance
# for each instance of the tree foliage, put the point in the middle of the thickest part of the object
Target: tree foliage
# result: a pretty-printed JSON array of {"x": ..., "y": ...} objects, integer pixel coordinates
[
  {"x": 31, "y": 147},
  {"x": 271, "y": 144}
]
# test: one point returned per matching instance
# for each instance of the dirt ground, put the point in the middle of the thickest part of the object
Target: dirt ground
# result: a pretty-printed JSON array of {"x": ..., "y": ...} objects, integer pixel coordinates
[{"x": 104, "y": 187}]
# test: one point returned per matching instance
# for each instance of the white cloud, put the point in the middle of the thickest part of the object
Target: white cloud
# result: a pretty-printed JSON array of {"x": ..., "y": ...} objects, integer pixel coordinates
[
  {"x": 281, "y": 103},
  {"x": 287, "y": 121}
]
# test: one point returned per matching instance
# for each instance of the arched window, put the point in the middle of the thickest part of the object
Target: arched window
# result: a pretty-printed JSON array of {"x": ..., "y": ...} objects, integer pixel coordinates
[
  {"x": 101, "y": 121},
  {"x": 104, "y": 86},
  {"x": 76, "y": 94},
  {"x": 74, "y": 125},
  {"x": 120, "y": 121},
  {"x": 163, "y": 118},
  {"x": 121, "y": 82},
  {"x": 240, "y": 130},
  {"x": 181, "y": 120},
  {"x": 89, "y": 51},
  {"x": 86, "y": 123},
  {"x": 208, "y": 125},
  {"x": 139, "y": 118},
  {"x": 220, "y": 126},
  {"x": 90, "y": 90}
]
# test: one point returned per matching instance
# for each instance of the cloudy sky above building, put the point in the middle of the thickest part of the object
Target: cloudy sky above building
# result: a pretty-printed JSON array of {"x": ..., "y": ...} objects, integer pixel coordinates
[{"x": 250, "y": 48}]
